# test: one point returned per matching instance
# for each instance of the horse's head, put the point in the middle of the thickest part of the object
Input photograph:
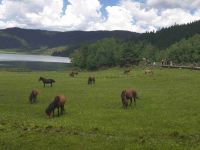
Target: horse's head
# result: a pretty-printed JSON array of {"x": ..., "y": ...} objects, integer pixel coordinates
[
  {"x": 48, "y": 112},
  {"x": 123, "y": 95},
  {"x": 49, "y": 109},
  {"x": 40, "y": 78}
]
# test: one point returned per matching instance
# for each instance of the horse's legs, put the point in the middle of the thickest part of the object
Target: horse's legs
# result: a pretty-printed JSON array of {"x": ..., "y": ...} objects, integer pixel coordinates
[
  {"x": 126, "y": 104},
  {"x": 51, "y": 84},
  {"x": 134, "y": 100},
  {"x": 53, "y": 112},
  {"x": 44, "y": 84},
  {"x": 131, "y": 101},
  {"x": 58, "y": 112},
  {"x": 62, "y": 110}
]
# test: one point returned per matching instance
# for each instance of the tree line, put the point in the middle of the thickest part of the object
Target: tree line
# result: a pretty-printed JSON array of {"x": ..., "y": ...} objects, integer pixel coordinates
[{"x": 113, "y": 52}]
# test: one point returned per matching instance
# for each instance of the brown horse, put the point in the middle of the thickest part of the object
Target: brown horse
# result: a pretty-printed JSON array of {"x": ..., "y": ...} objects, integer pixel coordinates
[
  {"x": 127, "y": 95},
  {"x": 33, "y": 96},
  {"x": 148, "y": 71},
  {"x": 91, "y": 80},
  {"x": 127, "y": 71},
  {"x": 58, "y": 102},
  {"x": 73, "y": 74}
]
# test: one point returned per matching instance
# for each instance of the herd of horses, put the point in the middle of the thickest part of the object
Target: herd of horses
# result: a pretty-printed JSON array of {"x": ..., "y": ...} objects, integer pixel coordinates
[{"x": 59, "y": 101}]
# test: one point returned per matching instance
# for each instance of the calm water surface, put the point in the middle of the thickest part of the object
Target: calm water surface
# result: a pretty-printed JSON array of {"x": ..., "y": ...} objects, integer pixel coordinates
[{"x": 33, "y": 58}]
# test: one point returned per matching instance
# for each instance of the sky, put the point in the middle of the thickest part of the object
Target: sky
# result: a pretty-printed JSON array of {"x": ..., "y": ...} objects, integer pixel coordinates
[{"x": 91, "y": 15}]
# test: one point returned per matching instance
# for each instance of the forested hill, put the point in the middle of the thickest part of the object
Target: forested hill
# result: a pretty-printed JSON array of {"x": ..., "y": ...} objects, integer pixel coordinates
[
  {"x": 16, "y": 38},
  {"x": 167, "y": 36},
  {"x": 179, "y": 43}
]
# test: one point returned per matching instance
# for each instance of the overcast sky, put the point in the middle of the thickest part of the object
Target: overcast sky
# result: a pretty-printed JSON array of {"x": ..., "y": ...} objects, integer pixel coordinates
[{"x": 68, "y": 15}]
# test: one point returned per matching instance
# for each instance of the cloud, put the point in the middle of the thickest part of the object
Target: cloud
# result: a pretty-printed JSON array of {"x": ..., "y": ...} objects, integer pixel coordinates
[
  {"x": 147, "y": 17},
  {"x": 86, "y": 14},
  {"x": 183, "y": 4}
]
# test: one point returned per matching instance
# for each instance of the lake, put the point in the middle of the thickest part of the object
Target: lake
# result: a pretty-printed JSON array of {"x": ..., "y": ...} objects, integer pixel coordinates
[{"x": 34, "y": 58}]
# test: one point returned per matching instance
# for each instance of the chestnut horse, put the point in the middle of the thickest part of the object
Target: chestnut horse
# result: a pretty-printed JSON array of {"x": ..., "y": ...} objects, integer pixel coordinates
[
  {"x": 127, "y": 95},
  {"x": 91, "y": 80},
  {"x": 58, "y": 102},
  {"x": 33, "y": 96}
]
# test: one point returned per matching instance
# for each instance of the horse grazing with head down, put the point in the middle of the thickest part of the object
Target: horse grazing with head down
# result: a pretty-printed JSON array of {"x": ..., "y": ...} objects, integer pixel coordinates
[
  {"x": 127, "y": 95},
  {"x": 46, "y": 81},
  {"x": 73, "y": 74},
  {"x": 127, "y": 71},
  {"x": 59, "y": 103},
  {"x": 91, "y": 80},
  {"x": 33, "y": 96}
]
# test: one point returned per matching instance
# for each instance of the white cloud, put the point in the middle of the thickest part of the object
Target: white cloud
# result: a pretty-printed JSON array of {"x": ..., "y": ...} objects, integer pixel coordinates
[
  {"x": 86, "y": 14},
  {"x": 148, "y": 18}
]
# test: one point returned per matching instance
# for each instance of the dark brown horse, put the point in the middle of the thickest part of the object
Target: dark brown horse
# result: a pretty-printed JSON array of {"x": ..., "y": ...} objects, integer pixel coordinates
[
  {"x": 91, "y": 80},
  {"x": 46, "y": 81},
  {"x": 127, "y": 95},
  {"x": 33, "y": 96},
  {"x": 58, "y": 102},
  {"x": 127, "y": 71},
  {"x": 73, "y": 74}
]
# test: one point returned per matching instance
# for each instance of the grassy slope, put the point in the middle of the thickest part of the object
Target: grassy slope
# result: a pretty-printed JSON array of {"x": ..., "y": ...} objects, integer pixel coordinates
[
  {"x": 166, "y": 117},
  {"x": 42, "y": 51}
]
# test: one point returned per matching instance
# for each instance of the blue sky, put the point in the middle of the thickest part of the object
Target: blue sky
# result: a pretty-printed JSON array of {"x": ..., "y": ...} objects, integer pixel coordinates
[
  {"x": 67, "y": 15},
  {"x": 106, "y": 3}
]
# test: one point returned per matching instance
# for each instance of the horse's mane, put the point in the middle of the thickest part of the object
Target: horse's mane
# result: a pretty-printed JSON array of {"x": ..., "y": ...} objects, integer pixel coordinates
[
  {"x": 50, "y": 107},
  {"x": 123, "y": 94}
]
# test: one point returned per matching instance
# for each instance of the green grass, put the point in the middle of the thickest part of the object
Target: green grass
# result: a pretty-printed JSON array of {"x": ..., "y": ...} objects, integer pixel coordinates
[{"x": 167, "y": 116}]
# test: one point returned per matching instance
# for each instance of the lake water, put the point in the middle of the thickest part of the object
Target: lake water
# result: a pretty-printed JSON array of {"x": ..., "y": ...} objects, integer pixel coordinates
[{"x": 33, "y": 58}]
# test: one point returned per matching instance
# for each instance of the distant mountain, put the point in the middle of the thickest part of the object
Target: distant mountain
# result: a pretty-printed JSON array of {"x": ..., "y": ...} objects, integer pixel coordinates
[
  {"x": 63, "y": 43},
  {"x": 29, "y": 40}
]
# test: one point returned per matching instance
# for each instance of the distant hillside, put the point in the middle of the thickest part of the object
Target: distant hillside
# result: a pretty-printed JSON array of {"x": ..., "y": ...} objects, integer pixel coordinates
[
  {"x": 30, "y": 40},
  {"x": 64, "y": 43},
  {"x": 167, "y": 36}
]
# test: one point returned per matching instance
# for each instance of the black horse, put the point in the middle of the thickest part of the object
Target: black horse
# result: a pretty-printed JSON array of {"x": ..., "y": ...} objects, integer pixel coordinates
[{"x": 47, "y": 81}]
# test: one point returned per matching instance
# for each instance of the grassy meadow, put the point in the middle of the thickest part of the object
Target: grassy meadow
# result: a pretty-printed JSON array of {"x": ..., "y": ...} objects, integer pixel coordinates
[{"x": 167, "y": 115}]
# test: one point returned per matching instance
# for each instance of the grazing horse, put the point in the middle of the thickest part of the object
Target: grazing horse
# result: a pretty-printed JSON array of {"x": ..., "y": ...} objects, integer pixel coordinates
[
  {"x": 58, "y": 102},
  {"x": 33, "y": 96},
  {"x": 148, "y": 71},
  {"x": 91, "y": 80},
  {"x": 47, "y": 81},
  {"x": 127, "y": 95},
  {"x": 127, "y": 71},
  {"x": 73, "y": 73}
]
